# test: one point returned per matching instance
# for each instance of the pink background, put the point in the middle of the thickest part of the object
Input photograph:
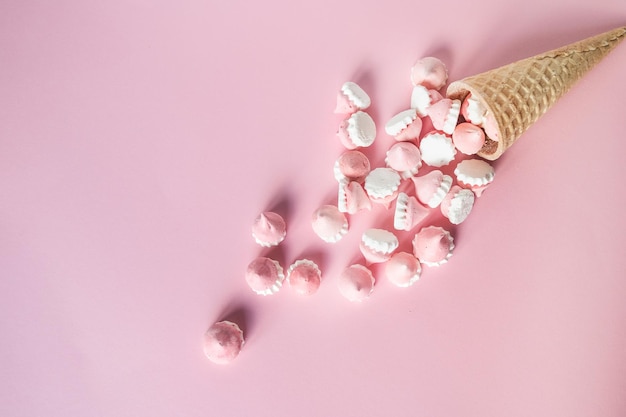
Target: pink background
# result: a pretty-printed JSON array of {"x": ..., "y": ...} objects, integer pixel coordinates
[{"x": 139, "y": 139}]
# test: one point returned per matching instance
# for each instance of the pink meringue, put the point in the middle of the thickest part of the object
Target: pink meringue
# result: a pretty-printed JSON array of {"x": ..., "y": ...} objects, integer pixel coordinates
[
  {"x": 473, "y": 111},
  {"x": 468, "y": 138},
  {"x": 457, "y": 205},
  {"x": 412, "y": 131},
  {"x": 403, "y": 269},
  {"x": 351, "y": 98},
  {"x": 223, "y": 342},
  {"x": 329, "y": 223},
  {"x": 405, "y": 158},
  {"x": 491, "y": 127},
  {"x": 265, "y": 276},
  {"x": 433, "y": 245},
  {"x": 445, "y": 114},
  {"x": 474, "y": 174},
  {"x": 342, "y": 196},
  {"x": 404, "y": 126},
  {"x": 430, "y": 72},
  {"x": 409, "y": 212},
  {"x": 352, "y": 198},
  {"x": 358, "y": 130},
  {"x": 382, "y": 185},
  {"x": 304, "y": 277},
  {"x": 356, "y": 283},
  {"x": 437, "y": 149},
  {"x": 269, "y": 229},
  {"x": 377, "y": 245},
  {"x": 432, "y": 187},
  {"x": 352, "y": 165},
  {"x": 422, "y": 98}
]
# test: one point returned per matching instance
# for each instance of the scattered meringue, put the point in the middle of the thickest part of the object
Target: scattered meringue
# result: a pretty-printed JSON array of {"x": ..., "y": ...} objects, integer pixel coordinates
[
  {"x": 445, "y": 114},
  {"x": 351, "y": 98},
  {"x": 491, "y": 127},
  {"x": 329, "y": 223},
  {"x": 437, "y": 149},
  {"x": 223, "y": 342},
  {"x": 304, "y": 276},
  {"x": 458, "y": 204},
  {"x": 265, "y": 276},
  {"x": 377, "y": 245},
  {"x": 353, "y": 198},
  {"x": 422, "y": 98},
  {"x": 412, "y": 131},
  {"x": 430, "y": 72},
  {"x": 405, "y": 125},
  {"x": 474, "y": 174},
  {"x": 358, "y": 130},
  {"x": 405, "y": 158},
  {"x": 342, "y": 196},
  {"x": 269, "y": 229},
  {"x": 403, "y": 269},
  {"x": 468, "y": 138},
  {"x": 431, "y": 188},
  {"x": 433, "y": 245},
  {"x": 359, "y": 186},
  {"x": 409, "y": 212},
  {"x": 352, "y": 165},
  {"x": 382, "y": 185},
  {"x": 473, "y": 110},
  {"x": 356, "y": 283}
]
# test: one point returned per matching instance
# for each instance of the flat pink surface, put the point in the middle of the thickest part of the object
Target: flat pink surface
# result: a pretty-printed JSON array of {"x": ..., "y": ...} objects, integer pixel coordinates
[{"x": 139, "y": 140}]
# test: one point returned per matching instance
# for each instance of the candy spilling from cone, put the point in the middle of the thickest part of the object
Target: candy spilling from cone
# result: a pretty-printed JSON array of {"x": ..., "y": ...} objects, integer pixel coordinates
[
  {"x": 430, "y": 164},
  {"x": 518, "y": 94}
]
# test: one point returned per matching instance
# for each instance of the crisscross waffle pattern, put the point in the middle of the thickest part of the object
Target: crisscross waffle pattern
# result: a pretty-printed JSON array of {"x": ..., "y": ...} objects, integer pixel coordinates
[{"x": 519, "y": 93}]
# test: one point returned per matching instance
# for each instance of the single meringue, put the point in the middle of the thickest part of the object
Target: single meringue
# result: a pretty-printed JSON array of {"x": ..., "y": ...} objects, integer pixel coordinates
[
  {"x": 473, "y": 110},
  {"x": 468, "y": 138},
  {"x": 304, "y": 276},
  {"x": 265, "y": 276},
  {"x": 433, "y": 245},
  {"x": 223, "y": 342},
  {"x": 403, "y": 269},
  {"x": 405, "y": 158},
  {"x": 356, "y": 283},
  {"x": 430, "y": 72},
  {"x": 358, "y": 130},
  {"x": 474, "y": 174},
  {"x": 377, "y": 245},
  {"x": 458, "y": 204},
  {"x": 382, "y": 185},
  {"x": 404, "y": 126},
  {"x": 431, "y": 188},
  {"x": 329, "y": 223},
  {"x": 269, "y": 229},
  {"x": 409, "y": 212},
  {"x": 351, "y": 98},
  {"x": 422, "y": 98},
  {"x": 445, "y": 114},
  {"x": 352, "y": 165},
  {"x": 437, "y": 149},
  {"x": 352, "y": 198}
]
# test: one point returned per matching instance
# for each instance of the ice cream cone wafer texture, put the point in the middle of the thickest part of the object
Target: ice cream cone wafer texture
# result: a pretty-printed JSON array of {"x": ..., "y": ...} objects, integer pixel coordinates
[{"x": 517, "y": 94}]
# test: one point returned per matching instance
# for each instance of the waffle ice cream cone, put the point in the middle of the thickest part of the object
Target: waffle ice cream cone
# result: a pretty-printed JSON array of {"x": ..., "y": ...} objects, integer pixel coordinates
[{"x": 517, "y": 94}]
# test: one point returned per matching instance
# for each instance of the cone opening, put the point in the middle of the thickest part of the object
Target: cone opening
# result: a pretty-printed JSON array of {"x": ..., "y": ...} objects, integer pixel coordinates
[
  {"x": 489, "y": 149},
  {"x": 492, "y": 149},
  {"x": 518, "y": 94}
]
